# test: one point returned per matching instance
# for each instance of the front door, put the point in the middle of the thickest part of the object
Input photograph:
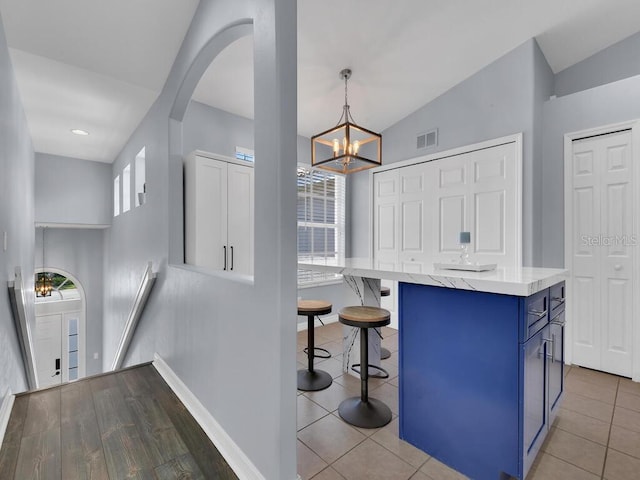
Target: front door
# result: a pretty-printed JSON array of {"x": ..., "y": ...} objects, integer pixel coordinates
[
  {"x": 49, "y": 350},
  {"x": 601, "y": 249}
]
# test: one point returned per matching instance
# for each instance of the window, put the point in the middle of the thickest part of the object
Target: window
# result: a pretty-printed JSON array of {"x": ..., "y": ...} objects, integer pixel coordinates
[
  {"x": 245, "y": 154},
  {"x": 126, "y": 189},
  {"x": 72, "y": 346},
  {"x": 321, "y": 221},
  {"x": 116, "y": 196},
  {"x": 141, "y": 186}
]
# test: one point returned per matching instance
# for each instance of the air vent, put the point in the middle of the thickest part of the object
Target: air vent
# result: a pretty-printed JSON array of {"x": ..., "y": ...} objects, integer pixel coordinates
[{"x": 427, "y": 139}]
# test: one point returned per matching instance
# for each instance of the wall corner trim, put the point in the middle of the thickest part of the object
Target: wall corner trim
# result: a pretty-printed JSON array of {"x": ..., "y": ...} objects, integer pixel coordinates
[
  {"x": 235, "y": 457},
  {"x": 5, "y": 412}
]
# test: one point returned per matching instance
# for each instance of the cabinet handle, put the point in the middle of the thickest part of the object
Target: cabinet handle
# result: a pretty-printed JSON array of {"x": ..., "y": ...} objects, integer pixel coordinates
[
  {"x": 231, "y": 258},
  {"x": 560, "y": 300},
  {"x": 552, "y": 342},
  {"x": 225, "y": 257},
  {"x": 539, "y": 313},
  {"x": 558, "y": 322}
]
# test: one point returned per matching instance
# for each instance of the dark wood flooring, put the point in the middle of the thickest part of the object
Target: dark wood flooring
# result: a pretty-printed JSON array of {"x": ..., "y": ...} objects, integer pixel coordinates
[{"x": 124, "y": 425}]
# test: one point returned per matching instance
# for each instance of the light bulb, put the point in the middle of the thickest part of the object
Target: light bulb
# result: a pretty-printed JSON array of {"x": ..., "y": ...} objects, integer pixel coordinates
[
  {"x": 356, "y": 147},
  {"x": 336, "y": 147}
]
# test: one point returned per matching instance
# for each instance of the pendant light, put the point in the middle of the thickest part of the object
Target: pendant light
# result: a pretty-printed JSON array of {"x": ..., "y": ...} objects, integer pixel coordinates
[
  {"x": 347, "y": 147},
  {"x": 43, "y": 286}
]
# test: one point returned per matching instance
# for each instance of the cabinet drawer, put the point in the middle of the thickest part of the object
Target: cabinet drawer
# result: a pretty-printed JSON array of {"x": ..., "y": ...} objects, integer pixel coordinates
[
  {"x": 535, "y": 314},
  {"x": 557, "y": 298}
]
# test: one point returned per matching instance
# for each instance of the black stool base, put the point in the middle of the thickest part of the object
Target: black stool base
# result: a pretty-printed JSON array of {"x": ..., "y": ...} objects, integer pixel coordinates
[
  {"x": 384, "y": 353},
  {"x": 370, "y": 414},
  {"x": 325, "y": 353},
  {"x": 313, "y": 381}
]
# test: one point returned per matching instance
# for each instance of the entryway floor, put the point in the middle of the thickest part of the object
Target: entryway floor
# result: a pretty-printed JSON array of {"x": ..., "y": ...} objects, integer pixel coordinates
[
  {"x": 595, "y": 436},
  {"x": 128, "y": 424}
]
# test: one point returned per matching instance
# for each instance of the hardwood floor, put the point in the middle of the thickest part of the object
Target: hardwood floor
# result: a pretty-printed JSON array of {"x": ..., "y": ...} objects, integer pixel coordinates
[{"x": 125, "y": 425}]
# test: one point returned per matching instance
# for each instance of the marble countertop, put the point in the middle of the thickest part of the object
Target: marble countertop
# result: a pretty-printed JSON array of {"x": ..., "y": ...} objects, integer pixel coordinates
[{"x": 519, "y": 281}]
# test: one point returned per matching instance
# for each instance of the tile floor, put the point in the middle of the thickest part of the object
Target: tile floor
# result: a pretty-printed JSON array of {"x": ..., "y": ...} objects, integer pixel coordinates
[{"x": 596, "y": 434}]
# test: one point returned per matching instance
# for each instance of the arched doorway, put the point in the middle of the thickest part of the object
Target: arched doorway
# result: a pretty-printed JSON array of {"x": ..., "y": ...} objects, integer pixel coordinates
[{"x": 59, "y": 333}]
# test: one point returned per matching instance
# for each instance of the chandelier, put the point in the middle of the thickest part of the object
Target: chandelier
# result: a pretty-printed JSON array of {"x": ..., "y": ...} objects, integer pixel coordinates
[
  {"x": 44, "y": 285},
  {"x": 347, "y": 147}
]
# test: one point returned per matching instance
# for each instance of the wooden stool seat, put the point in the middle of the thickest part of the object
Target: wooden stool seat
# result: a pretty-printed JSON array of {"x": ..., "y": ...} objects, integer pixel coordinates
[
  {"x": 385, "y": 291},
  {"x": 311, "y": 380},
  {"x": 314, "y": 307},
  {"x": 364, "y": 316},
  {"x": 363, "y": 411}
]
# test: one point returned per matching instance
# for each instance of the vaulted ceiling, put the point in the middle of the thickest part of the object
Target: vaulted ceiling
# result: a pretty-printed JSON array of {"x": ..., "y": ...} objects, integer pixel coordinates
[{"x": 99, "y": 65}]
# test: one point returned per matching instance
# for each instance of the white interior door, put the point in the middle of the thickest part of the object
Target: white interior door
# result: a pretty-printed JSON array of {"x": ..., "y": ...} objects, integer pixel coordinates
[
  {"x": 240, "y": 218},
  {"x": 48, "y": 347},
  {"x": 415, "y": 217},
  {"x": 602, "y": 246},
  {"x": 478, "y": 192},
  {"x": 386, "y": 231},
  {"x": 420, "y": 208}
]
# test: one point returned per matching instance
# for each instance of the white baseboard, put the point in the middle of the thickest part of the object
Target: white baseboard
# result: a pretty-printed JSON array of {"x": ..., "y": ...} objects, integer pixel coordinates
[
  {"x": 5, "y": 412},
  {"x": 235, "y": 457},
  {"x": 326, "y": 319}
]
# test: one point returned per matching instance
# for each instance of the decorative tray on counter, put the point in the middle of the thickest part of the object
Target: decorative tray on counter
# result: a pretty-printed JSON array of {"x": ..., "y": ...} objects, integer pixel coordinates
[{"x": 470, "y": 267}]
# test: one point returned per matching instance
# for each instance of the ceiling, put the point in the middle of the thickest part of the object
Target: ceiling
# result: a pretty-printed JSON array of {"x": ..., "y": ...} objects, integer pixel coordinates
[{"x": 99, "y": 65}]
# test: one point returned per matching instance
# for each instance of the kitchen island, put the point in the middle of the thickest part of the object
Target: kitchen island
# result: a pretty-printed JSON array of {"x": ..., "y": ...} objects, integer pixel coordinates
[{"x": 480, "y": 360}]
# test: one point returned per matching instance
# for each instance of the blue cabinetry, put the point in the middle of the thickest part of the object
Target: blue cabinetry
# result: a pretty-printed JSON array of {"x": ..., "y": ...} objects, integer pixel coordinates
[{"x": 477, "y": 377}]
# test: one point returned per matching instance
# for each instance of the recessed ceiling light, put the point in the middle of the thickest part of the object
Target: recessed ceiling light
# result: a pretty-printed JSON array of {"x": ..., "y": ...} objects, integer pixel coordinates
[{"x": 77, "y": 131}]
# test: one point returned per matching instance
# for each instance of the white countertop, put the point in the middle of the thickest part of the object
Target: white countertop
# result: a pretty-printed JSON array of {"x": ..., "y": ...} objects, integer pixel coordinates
[{"x": 520, "y": 281}]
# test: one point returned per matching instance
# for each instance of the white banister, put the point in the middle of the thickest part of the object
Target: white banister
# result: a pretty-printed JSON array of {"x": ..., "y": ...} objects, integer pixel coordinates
[
  {"x": 139, "y": 302},
  {"x": 23, "y": 328}
]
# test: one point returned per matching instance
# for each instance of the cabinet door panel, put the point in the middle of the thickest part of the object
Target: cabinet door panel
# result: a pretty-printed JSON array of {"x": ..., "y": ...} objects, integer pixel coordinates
[
  {"x": 534, "y": 413},
  {"x": 206, "y": 212},
  {"x": 240, "y": 219},
  {"x": 556, "y": 364}
]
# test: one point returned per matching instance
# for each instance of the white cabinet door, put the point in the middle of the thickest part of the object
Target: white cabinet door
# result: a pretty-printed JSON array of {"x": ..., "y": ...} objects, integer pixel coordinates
[
  {"x": 206, "y": 212},
  {"x": 602, "y": 248},
  {"x": 240, "y": 218}
]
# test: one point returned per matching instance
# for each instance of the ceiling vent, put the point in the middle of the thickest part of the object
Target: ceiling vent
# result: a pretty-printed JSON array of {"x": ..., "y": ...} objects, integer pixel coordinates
[{"x": 427, "y": 139}]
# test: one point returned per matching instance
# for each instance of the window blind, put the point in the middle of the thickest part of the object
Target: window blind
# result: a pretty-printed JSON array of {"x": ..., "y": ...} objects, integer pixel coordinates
[{"x": 321, "y": 221}]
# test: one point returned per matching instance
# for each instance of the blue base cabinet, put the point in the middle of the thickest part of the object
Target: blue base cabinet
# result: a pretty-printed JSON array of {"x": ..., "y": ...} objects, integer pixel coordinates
[{"x": 475, "y": 377}]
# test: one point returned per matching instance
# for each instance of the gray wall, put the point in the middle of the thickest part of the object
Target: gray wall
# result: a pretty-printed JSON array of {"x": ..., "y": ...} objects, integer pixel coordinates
[
  {"x": 498, "y": 100},
  {"x": 612, "y": 103},
  {"x": 16, "y": 218},
  {"x": 79, "y": 252},
  {"x": 211, "y": 329},
  {"x": 72, "y": 191},
  {"x": 620, "y": 60}
]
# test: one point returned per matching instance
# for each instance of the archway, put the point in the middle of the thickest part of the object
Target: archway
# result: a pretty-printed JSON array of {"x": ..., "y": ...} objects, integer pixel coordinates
[{"x": 201, "y": 63}]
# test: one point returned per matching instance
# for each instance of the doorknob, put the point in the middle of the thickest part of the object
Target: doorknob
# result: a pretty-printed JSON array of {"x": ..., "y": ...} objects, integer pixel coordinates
[{"x": 617, "y": 267}]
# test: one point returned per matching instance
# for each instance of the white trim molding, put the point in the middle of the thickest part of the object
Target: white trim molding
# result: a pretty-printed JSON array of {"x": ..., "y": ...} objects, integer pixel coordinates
[
  {"x": 230, "y": 451},
  {"x": 634, "y": 126},
  {"x": 5, "y": 412}
]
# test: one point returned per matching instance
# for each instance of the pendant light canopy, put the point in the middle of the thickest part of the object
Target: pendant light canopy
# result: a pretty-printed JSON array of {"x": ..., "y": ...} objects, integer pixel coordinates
[{"x": 347, "y": 147}]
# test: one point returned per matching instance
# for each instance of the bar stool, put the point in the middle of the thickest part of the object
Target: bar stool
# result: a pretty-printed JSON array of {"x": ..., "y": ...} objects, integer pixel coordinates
[
  {"x": 311, "y": 380},
  {"x": 384, "y": 352},
  {"x": 363, "y": 411}
]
